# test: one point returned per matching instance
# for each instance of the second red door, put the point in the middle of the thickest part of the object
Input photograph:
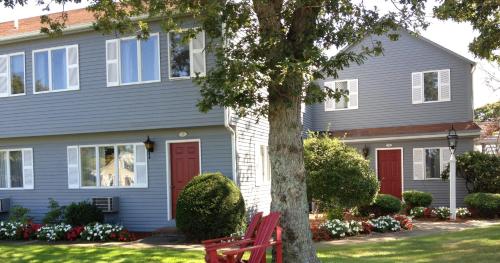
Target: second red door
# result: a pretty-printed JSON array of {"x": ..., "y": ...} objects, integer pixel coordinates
[
  {"x": 389, "y": 171},
  {"x": 184, "y": 165}
]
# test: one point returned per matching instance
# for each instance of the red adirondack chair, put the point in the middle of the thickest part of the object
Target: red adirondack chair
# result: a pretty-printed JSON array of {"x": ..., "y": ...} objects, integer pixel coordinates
[
  {"x": 257, "y": 246},
  {"x": 226, "y": 241}
]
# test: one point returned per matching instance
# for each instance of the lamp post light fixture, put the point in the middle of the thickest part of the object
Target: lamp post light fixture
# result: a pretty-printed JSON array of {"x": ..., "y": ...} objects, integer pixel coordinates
[
  {"x": 452, "y": 144},
  {"x": 366, "y": 151},
  {"x": 150, "y": 146}
]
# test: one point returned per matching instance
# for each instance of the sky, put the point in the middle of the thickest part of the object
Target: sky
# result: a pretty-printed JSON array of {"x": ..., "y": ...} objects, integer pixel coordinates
[{"x": 449, "y": 34}]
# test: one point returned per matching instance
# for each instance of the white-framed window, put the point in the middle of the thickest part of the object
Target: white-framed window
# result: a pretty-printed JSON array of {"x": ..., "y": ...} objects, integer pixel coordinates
[
  {"x": 107, "y": 166},
  {"x": 12, "y": 75},
  {"x": 56, "y": 69},
  {"x": 429, "y": 163},
  {"x": 133, "y": 61},
  {"x": 262, "y": 165},
  {"x": 346, "y": 102},
  {"x": 186, "y": 59},
  {"x": 431, "y": 86},
  {"x": 16, "y": 169}
]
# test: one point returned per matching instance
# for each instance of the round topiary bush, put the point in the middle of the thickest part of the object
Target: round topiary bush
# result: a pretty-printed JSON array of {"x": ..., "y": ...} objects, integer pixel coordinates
[
  {"x": 82, "y": 213},
  {"x": 417, "y": 199},
  {"x": 210, "y": 206},
  {"x": 383, "y": 205}
]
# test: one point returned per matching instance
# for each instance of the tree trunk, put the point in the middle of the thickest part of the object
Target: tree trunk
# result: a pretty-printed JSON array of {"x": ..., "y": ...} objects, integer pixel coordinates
[{"x": 288, "y": 181}]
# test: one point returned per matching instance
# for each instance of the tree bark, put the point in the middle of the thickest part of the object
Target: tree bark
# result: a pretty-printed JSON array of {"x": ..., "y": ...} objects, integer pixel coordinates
[{"x": 289, "y": 180}]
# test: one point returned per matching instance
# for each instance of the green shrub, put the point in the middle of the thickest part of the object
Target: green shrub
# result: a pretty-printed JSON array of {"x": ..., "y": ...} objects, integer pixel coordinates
[
  {"x": 82, "y": 213},
  {"x": 383, "y": 205},
  {"x": 417, "y": 198},
  {"x": 481, "y": 172},
  {"x": 417, "y": 212},
  {"x": 55, "y": 214},
  {"x": 485, "y": 204},
  {"x": 210, "y": 206},
  {"x": 337, "y": 175},
  {"x": 19, "y": 214}
]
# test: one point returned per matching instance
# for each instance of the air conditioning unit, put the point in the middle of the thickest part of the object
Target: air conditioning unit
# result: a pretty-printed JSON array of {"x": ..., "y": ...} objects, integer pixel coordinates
[
  {"x": 106, "y": 204},
  {"x": 4, "y": 205}
]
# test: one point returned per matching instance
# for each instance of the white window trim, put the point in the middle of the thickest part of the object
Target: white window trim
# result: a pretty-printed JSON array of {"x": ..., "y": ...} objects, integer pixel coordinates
[
  {"x": 8, "y": 170},
  {"x": 139, "y": 62},
  {"x": 439, "y": 87},
  {"x": 49, "y": 62},
  {"x": 116, "y": 175},
  {"x": 9, "y": 74},
  {"x": 425, "y": 163},
  {"x": 348, "y": 102},
  {"x": 190, "y": 46}
]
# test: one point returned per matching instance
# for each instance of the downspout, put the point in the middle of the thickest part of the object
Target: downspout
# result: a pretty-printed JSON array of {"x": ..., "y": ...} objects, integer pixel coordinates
[{"x": 227, "y": 124}]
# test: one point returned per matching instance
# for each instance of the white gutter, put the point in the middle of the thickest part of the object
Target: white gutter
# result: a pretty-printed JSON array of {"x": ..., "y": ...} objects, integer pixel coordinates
[
  {"x": 412, "y": 137},
  {"x": 37, "y": 35},
  {"x": 227, "y": 124}
]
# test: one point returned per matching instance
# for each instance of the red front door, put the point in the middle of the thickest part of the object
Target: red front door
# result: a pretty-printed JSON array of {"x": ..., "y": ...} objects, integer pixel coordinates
[
  {"x": 389, "y": 171},
  {"x": 184, "y": 165}
]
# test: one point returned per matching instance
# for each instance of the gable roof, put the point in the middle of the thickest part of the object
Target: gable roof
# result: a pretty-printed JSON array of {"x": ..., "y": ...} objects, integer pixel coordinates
[{"x": 422, "y": 38}]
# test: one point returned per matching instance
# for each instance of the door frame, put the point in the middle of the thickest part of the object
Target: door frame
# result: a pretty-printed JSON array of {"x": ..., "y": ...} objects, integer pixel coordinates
[
  {"x": 402, "y": 164},
  {"x": 168, "y": 173}
]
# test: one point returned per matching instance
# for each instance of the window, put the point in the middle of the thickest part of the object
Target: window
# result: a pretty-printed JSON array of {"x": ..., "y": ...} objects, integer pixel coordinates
[
  {"x": 107, "y": 166},
  {"x": 16, "y": 169},
  {"x": 432, "y": 163},
  {"x": 56, "y": 69},
  {"x": 429, "y": 163},
  {"x": 133, "y": 61},
  {"x": 12, "y": 75},
  {"x": 350, "y": 101},
  {"x": 431, "y": 86},
  {"x": 186, "y": 58},
  {"x": 262, "y": 165}
]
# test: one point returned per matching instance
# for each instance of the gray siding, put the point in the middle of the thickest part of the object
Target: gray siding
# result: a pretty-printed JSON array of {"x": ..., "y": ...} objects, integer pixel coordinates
[
  {"x": 95, "y": 107},
  {"x": 250, "y": 133},
  {"x": 385, "y": 89},
  {"x": 439, "y": 189},
  {"x": 140, "y": 209}
]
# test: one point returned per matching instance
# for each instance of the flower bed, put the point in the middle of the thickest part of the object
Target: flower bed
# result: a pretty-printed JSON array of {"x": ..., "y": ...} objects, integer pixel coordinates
[
  {"x": 336, "y": 228},
  {"x": 58, "y": 232},
  {"x": 438, "y": 213}
]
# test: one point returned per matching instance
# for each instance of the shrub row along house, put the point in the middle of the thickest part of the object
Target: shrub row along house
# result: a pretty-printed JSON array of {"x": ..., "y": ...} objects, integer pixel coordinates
[{"x": 78, "y": 109}]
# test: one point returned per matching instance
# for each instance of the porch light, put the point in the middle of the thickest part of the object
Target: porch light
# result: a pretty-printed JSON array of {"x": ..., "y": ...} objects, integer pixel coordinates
[
  {"x": 150, "y": 146},
  {"x": 366, "y": 151},
  {"x": 452, "y": 139}
]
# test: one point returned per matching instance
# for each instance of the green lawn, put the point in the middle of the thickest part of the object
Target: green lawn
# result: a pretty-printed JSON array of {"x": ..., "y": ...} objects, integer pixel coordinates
[{"x": 476, "y": 245}]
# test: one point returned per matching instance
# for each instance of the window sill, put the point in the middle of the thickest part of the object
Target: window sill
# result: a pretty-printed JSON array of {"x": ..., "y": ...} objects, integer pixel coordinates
[
  {"x": 14, "y": 95},
  {"x": 15, "y": 189},
  {"x": 108, "y": 188},
  {"x": 134, "y": 83},
  {"x": 179, "y": 78},
  {"x": 55, "y": 91},
  {"x": 341, "y": 109},
  {"x": 434, "y": 101}
]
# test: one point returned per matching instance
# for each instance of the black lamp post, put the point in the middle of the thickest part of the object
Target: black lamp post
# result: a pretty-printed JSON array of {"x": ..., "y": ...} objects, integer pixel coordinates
[
  {"x": 366, "y": 151},
  {"x": 150, "y": 146},
  {"x": 452, "y": 140}
]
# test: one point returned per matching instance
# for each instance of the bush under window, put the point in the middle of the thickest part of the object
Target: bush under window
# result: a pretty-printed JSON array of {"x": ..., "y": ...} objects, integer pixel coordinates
[
  {"x": 417, "y": 199},
  {"x": 210, "y": 206},
  {"x": 82, "y": 213}
]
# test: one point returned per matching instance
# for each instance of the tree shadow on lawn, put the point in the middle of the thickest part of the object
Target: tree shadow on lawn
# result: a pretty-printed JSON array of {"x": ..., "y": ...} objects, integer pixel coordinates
[
  {"x": 62, "y": 253},
  {"x": 475, "y": 245}
]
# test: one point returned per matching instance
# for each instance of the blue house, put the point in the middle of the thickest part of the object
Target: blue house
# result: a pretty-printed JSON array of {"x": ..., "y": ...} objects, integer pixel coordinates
[
  {"x": 399, "y": 110},
  {"x": 78, "y": 109}
]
